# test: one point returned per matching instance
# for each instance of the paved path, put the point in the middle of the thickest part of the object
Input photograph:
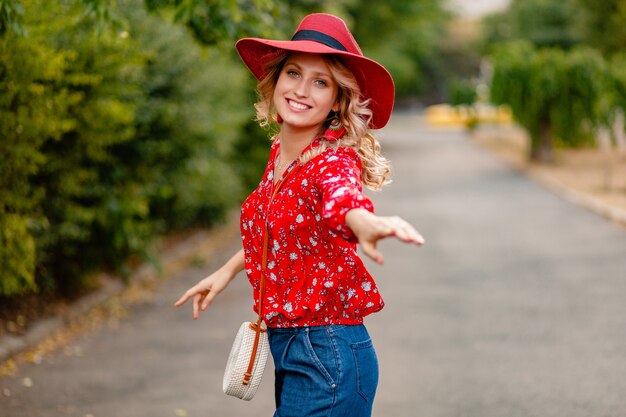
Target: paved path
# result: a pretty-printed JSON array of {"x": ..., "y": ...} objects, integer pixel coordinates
[{"x": 515, "y": 307}]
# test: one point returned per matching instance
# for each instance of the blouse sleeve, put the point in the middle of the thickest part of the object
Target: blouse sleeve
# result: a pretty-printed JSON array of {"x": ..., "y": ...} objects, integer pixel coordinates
[{"x": 341, "y": 188}]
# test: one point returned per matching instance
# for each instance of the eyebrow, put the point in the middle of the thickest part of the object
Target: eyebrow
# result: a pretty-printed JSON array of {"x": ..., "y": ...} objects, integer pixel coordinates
[{"x": 316, "y": 73}]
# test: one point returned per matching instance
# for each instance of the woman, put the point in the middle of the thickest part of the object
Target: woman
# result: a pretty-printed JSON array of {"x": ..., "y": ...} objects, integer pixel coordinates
[{"x": 325, "y": 96}]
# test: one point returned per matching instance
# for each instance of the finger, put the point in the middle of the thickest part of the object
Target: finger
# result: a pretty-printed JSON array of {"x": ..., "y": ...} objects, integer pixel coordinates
[
  {"x": 414, "y": 236},
  {"x": 196, "y": 305},
  {"x": 371, "y": 251},
  {"x": 401, "y": 233},
  {"x": 208, "y": 299},
  {"x": 184, "y": 298},
  {"x": 419, "y": 239},
  {"x": 405, "y": 231},
  {"x": 409, "y": 235}
]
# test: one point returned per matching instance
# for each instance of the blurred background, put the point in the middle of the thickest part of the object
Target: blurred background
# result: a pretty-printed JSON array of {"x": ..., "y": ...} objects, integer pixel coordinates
[{"x": 124, "y": 123}]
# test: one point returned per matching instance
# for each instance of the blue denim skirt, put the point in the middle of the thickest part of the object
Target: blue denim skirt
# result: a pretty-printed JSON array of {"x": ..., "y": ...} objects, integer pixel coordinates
[{"x": 324, "y": 371}]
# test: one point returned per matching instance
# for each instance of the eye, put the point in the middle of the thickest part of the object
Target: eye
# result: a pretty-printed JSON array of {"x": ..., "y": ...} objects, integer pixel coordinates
[
  {"x": 292, "y": 73},
  {"x": 321, "y": 83}
]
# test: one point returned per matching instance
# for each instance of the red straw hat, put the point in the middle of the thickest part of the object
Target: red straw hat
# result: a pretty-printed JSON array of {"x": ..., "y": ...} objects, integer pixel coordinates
[{"x": 321, "y": 33}]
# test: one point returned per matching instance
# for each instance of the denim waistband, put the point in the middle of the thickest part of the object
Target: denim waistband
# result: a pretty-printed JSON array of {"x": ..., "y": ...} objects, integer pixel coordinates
[{"x": 295, "y": 330}]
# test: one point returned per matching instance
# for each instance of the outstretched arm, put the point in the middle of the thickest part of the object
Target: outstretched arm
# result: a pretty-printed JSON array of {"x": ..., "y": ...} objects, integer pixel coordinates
[
  {"x": 205, "y": 291},
  {"x": 369, "y": 229}
]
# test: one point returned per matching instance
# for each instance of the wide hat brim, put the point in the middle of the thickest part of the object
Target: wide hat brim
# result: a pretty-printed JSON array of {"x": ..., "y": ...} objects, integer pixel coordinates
[{"x": 373, "y": 79}]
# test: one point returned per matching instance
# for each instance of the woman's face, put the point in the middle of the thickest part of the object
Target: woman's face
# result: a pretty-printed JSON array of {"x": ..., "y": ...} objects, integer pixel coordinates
[{"x": 305, "y": 92}]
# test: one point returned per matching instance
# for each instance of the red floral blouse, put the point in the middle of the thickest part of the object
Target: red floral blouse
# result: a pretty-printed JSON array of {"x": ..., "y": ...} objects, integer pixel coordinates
[{"x": 314, "y": 276}]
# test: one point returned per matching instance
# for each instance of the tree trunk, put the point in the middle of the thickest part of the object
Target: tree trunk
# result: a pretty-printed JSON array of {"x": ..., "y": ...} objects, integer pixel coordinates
[
  {"x": 541, "y": 149},
  {"x": 619, "y": 133},
  {"x": 603, "y": 138}
]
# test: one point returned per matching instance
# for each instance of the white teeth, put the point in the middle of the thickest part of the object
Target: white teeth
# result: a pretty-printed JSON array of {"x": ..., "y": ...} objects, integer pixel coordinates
[{"x": 298, "y": 105}]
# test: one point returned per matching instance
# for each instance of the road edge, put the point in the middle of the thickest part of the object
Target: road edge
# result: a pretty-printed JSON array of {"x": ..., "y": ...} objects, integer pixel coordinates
[{"x": 171, "y": 259}]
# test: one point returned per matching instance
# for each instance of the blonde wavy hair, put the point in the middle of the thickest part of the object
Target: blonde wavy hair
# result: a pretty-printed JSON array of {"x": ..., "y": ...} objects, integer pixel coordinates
[{"x": 354, "y": 114}]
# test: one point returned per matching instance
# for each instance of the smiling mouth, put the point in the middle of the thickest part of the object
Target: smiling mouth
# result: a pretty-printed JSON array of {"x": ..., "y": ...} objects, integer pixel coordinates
[{"x": 298, "y": 106}]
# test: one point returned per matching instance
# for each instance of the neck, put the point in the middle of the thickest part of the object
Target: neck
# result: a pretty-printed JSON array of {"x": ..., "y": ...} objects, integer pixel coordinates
[{"x": 293, "y": 141}]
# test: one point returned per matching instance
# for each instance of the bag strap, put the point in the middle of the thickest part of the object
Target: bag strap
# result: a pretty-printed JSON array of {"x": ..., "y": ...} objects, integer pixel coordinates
[{"x": 257, "y": 326}]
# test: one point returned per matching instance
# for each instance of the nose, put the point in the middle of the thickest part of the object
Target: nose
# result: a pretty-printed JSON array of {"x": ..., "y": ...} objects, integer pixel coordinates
[{"x": 302, "y": 88}]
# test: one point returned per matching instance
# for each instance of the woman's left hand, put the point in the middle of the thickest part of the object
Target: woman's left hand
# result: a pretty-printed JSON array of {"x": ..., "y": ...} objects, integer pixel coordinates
[{"x": 369, "y": 229}]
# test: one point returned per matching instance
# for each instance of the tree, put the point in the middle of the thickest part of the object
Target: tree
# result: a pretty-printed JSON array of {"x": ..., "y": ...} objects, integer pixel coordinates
[
  {"x": 404, "y": 35},
  {"x": 216, "y": 21},
  {"x": 553, "y": 94},
  {"x": 211, "y": 21},
  {"x": 602, "y": 24},
  {"x": 544, "y": 23}
]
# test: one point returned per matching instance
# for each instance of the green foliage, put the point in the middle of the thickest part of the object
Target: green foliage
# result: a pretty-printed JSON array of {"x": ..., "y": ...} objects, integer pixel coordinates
[
  {"x": 101, "y": 14},
  {"x": 11, "y": 17},
  {"x": 461, "y": 92},
  {"x": 249, "y": 155},
  {"x": 583, "y": 83},
  {"x": 617, "y": 71},
  {"x": 544, "y": 23},
  {"x": 100, "y": 79},
  {"x": 602, "y": 24},
  {"x": 613, "y": 85},
  {"x": 17, "y": 257},
  {"x": 32, "y": 111},
  {"x": 195, "y": 103},
  {"x": 562, "y": 24},
  {"x": 218, "y": 21},
  {"x": 552, "y": 93},
  {"x": 212, "y": 22},
  {"x": 405, "y": 36},
  {"x": 108, "y": 140}
]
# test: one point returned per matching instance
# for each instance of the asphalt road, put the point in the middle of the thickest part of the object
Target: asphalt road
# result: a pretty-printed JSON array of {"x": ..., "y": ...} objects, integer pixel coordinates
[{"x": 515, "y": 307}]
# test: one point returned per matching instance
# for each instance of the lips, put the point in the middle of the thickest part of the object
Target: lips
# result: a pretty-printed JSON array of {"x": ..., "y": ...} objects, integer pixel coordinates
[{"x": 297, "y": 106}]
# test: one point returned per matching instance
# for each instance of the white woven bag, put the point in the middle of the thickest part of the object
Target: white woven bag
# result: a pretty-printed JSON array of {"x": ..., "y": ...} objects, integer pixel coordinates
[
  {"x": 248, "y": 355},
  {"x": 235, "y": 382}
]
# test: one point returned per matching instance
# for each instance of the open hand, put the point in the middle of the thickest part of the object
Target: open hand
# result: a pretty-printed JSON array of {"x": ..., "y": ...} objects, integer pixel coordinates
[
  {"x": 369, "y": 229},
  {"x": 203, "y": 293}
]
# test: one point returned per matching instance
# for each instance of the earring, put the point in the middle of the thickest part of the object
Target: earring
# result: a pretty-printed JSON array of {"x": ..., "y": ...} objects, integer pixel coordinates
[
  {"x": 279, "y": 119},
  {"x": 335, "y": 129}
]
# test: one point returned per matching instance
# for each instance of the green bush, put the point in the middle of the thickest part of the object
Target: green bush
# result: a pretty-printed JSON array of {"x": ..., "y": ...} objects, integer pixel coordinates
[
  {"x": 109, "y": 140},
  {"x": 17, "y": 257},
  {"x": 92, "y": 217},
  {"x": 32, "y": 111},
  {"x": 193, "y": 110}
]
